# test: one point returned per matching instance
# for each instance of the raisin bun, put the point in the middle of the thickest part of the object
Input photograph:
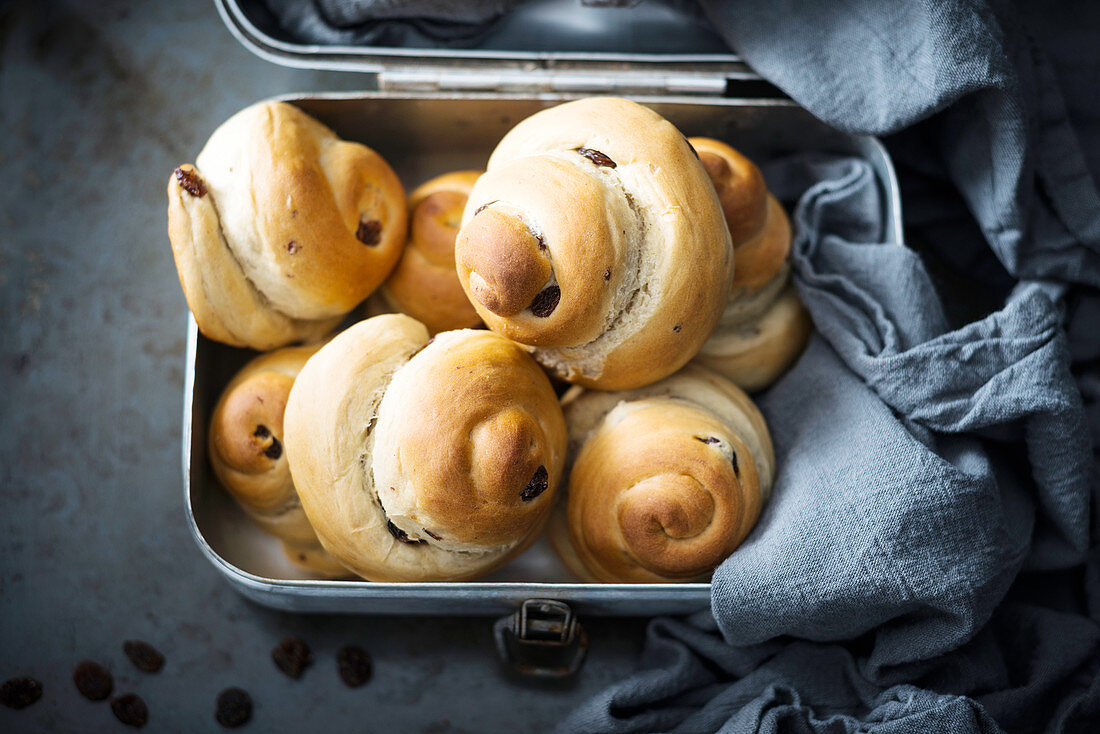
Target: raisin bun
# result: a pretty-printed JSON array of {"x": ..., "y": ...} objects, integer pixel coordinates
[
  {"x": 424, "y": 459},
  {"x": 764, "y": 326},
  {"x": 246, "y": 451},
  {"x": 666, "y": 480},
  {"x": 424, "y": 284},
  {"x": 280, "y": 228},
  {"x": 596, "y": 239}
]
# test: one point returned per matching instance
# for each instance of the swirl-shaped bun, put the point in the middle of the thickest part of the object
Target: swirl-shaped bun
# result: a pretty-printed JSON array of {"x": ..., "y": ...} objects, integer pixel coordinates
[
  {"x": 668, "y": 481},
  {"x": 424, "y": 284},
  {"x": 424, "y": 460},
  {"x": 596, "y": 237},
  {"x": 281, "y": 228},
  {"x": 764, "y": 326},
  {"x": 246, "y": 452}
]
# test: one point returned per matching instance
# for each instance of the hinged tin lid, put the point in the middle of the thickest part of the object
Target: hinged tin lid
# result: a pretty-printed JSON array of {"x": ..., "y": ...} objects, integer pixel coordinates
[{"x": 651, "y": 49}]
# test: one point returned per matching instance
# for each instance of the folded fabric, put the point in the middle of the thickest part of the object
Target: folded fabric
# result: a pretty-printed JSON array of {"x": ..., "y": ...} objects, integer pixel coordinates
[{"x": 928, "y": 561}]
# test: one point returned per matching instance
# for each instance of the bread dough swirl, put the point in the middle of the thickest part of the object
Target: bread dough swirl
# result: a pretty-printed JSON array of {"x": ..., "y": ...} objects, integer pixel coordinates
[
  {"x": 420, "y": 461},
  {"x": 596, "y": 238},
  {"x": 281, "y": 228},
  {"x": 667, "y": 482},
  {"x": 245, "y": 445},
  {"x": 424, "y": 284},
  {"x": 763, "y": 327}
]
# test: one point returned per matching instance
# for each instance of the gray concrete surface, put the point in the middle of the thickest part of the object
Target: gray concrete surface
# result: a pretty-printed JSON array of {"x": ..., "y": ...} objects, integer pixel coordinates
[{"x": 98, "y": 102}]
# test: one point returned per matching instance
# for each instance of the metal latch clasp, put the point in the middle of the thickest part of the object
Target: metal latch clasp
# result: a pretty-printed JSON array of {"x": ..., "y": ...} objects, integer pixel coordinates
[{"x": 542, "y": 639}]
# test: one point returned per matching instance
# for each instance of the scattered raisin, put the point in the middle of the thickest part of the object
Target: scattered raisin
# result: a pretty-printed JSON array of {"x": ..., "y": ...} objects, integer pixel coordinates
[
  {"x": 19, "y": 693},
  {"x": 596, "y": 157},
  {"x": 275, "y": 450},
  {"x": 369, "y": 232},
  {"x": 354, "y": 665},
  {"x": 130, "y": 710},
  {"x": 292, "y": 656},
  {"x": 677, "y": 328},
  {"x": 433, "y": 535},
  {"x": 261, "y": 431},
  {"x": 707, "y": 439},
  {"x": 546, "y": 301},
  {"x": 400, "y": 534},
  {"x": 538, "y": 484},
  {"x": 189, "y": 181},
  {"x": 736, "y": 469},
  {"x": 292, "y": 246},
  {"x": 143, "y": 655},
  {"x": 234, "y": 708},
  {"x": 93, "y": 680},
  {"x": 541, "y": 241},
  {"x": 607, "y": 274}
]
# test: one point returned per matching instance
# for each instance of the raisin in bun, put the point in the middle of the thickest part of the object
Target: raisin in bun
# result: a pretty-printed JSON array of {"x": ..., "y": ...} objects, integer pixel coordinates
[
  {"x": 666, "y": 481},
  {"x": 424, "y": 459},
  {"x": 424, "y": 284},
  {"x": 280, "y": 228},
  {"x": 764, "y": 326},
  {"x": 246, "y": 452},
  {"x": 596, "y": 239}
]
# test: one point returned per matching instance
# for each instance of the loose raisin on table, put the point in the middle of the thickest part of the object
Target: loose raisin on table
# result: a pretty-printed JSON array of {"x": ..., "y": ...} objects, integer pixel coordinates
[
  {"x": 130, "y": 710},
  {"x": 93, "y": 680},
  {"x": 143, "y": 655},
  {"x": 292, "y": 656},
  {"x": 354, "y": 665},
  {"x": 19, "y": 693},
  {"x": 234, "y": 707}
]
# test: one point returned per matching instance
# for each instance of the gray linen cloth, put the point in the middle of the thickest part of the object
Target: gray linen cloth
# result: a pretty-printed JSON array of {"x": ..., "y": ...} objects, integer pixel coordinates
[{"x": 928, "y": 561}]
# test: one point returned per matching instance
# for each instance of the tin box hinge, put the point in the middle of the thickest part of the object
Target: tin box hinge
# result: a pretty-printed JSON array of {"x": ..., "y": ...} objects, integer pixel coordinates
[
  {"x": 542, "y": 80},
  {"x": 541, "y": 639}
]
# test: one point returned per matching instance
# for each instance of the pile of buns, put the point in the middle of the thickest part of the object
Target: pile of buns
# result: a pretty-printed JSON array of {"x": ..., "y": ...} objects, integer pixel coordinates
[{"x": 600, "y": 247}]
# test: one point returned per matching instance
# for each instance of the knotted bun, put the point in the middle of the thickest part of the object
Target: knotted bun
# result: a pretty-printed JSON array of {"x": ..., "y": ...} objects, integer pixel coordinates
[
  {"x": 764, "y": 326},
  {"x": 667, "y": 482},
  {"x": 424, "y": 284},
  {"x": 246, "y": 452},
  {"x": 596, "y": 238},
  {"x": 424, "y": 460},
  {"x": 281, "y": 228}
]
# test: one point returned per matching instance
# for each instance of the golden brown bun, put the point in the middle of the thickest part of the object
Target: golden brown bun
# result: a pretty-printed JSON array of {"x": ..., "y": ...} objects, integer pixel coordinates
[
  {"x": 424, "y": 284},
  {"x": 764, "y": 326},
  {"x": 596, "y": 238},
  {"x": 281, "y": 228},
  {"x": 668, "y": 480},
  {"x": 247, "y": 453},
  {"x": 424, "y": 460}
]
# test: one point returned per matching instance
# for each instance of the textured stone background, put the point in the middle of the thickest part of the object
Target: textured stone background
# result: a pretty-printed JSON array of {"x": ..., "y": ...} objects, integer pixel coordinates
[{"x": 98, "y": 102}]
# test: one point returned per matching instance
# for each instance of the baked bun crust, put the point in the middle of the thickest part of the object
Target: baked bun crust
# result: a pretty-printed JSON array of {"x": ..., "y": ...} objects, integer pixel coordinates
[
  {"x": 281, "y": 228},
  {"x": 668, "y": 479},
  {"x": 763, "y": 327},
  {"x": 424, "y": 460},
  {"x": 424, "y": 284},
  {"x": 596, "y": 238},
  {"x": 245, "y": 444}
]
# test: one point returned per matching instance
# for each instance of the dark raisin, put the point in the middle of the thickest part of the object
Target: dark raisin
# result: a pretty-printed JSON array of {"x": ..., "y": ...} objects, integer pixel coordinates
[
  {"x": 292, "y": 247},
  {"x": 546, "y": 301},
  {"x": 607, "y": 274},
  {"x": 677, "y": 328},
  {"x": 261, "y": 431},
  {"x": 369, "y": 232},
  {"x": 538, "y": 484},
  {"x": 143, "y": 655},
  {"x": 275, "y": 450},
  {"x": 596, "y": 157},
  {"x": 354, "y": 665},
  {"x": 707, "y": 439},
  {"x": 93, "y": 680},
  {"x": 19, "y": 693},
  {"x": 234, "y": 707},
  {"x": 541, "y": 241},
  {"x": 736, "y": 469},
  {"x": 433, "y": 535},
  {"x": 189, "y": 181},
  {"x": 130, "y": 710},
  {"x": 400, "y": 534},
  {"x": 292, "y": 656}
]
